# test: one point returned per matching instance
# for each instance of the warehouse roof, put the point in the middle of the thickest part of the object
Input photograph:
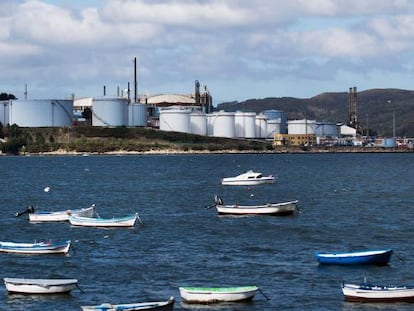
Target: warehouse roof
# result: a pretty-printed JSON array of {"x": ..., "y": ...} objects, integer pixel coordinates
[{"x": 171, "y": 98}]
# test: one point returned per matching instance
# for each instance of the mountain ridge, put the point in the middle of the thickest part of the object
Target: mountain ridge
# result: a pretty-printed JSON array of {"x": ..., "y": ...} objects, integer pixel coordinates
[{"x": 377, "y": 109}]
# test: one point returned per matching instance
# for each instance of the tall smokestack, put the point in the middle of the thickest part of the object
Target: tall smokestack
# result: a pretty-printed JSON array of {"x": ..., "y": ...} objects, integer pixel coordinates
[
  {"x": 135, "y": 79},
  {"x": 197, "y": 92},
  {"x": 353, "y": 98},
  {"x": 129, "y": 94}
]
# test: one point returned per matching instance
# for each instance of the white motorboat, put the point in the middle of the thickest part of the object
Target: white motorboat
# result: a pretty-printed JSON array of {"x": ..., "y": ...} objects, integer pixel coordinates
[
  {"x": 39, "y": 286},
  {"x": 250, "y": 178}
]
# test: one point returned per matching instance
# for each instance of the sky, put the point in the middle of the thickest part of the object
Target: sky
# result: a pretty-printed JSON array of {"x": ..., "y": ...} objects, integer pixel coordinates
[{"x": 236, "y": 49}]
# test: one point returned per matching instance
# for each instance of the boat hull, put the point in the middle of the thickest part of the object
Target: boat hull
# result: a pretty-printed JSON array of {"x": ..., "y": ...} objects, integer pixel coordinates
[
  {"x": 61, "y": 215},
  {"x": 364, "y": 293},
  {"x": 36, "y": 248},
  {"x": 40, "y": 286},
  {"x": 203, "y": 295},
  {"x": 148, "y": 306},
  {"x": 247, "y": 182},
  {"x": 380, "y": 257},
  {"x": 128, "y": 221},
  {"x": 276, "y": 209}
]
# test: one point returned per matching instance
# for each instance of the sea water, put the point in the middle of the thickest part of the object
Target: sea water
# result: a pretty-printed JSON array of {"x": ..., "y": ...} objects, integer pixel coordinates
[{"x": 346, "y": 202}]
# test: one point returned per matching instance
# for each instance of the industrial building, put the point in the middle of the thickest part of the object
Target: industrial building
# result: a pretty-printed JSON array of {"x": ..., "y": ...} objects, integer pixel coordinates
[{"x": 192, "y": 113}]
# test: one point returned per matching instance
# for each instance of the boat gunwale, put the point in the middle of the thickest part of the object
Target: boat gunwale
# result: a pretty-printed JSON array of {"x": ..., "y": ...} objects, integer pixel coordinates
[
  {"x": 353, "y": 254},
  {"x": 219, "y": 290},
  {"x": 41, "y": 282}
]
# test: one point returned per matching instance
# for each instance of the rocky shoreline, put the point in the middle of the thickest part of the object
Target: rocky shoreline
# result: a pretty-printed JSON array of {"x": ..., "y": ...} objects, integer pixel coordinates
[{"x": 277, "y": 150}]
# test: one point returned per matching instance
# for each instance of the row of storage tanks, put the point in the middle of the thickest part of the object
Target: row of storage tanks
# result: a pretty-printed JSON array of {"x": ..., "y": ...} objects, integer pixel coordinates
[
  {"x": 60, "y": 112},
  {"x": 241, "y": 124},
  {"x": 108, "y": 111}
]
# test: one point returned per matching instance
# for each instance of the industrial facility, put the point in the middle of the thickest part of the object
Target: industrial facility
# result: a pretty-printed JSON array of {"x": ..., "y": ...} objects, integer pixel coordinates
[{"x": 192, "y": 113}]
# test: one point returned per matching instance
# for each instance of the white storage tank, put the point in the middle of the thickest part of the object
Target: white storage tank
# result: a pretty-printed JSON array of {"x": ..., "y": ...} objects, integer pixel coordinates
[
  {"x": 175, "y": 120},
  {"x": 273, "y": 114},
  {"x": 223, "y": 124},
  {"x": 273, "y": 127},
  {"x": 389, "y": 142},
  {"x": 41, "y": 112},
  {"x": 137, "y": 114},
  {"x": 239, "y": 124},
  {"x": 261, "y": 126},
  {"x": 249, "y": 125},
  {"x": 198, "y": 123},
  {"x": 326, "y": 129},
  {"x": 210, "y": 124},
  {"x": 245, "y": 124},
  {"x": 107, "y": 111},
  {"x": 4, "y": 112},
  {"x": 301, "y": 127}
]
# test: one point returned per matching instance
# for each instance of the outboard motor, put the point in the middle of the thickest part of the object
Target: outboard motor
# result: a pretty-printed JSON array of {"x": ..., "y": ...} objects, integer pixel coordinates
[
  {"x": 218, "y": 200},
  {"x": 29, "y": 210}
]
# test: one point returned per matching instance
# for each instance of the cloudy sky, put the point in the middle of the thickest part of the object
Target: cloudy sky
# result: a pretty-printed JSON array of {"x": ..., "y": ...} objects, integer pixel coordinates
[{"x": 239, "y": 49}]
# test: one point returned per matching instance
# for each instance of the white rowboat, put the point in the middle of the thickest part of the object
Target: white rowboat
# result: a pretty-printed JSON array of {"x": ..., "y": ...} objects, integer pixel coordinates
[
  {"x": 127, "y": 221},
  {"x": 280, "y": 209},
  {"x": 373, "y": 293},
  {"x": 40, "y": 286},
  {"x": 147, "y": 306},
  {"x": 217, "y": 294},
  {"x": 45, "y": 216},
  {"x": 59, "y": 247}
]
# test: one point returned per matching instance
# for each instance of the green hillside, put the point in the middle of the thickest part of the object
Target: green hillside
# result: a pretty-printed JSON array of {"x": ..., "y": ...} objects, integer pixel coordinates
[{"x": 375, "y": 109}]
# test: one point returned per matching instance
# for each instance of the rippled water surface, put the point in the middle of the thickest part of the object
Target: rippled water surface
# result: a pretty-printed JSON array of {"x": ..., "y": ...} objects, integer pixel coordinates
[{"x": 346, "y": 201}]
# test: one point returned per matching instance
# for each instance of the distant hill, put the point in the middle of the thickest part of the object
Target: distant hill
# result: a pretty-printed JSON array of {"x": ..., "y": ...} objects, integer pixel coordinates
[{"x": 375, "y": 109}]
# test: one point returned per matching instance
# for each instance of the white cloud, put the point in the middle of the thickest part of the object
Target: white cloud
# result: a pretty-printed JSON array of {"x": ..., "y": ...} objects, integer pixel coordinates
[{"x": 179, "y": 41}]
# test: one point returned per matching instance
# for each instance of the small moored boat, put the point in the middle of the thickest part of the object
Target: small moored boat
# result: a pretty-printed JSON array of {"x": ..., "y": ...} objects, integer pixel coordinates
[
  {"x": 45, "y": 216},
  {"x": 147, "y": 306},
  {"x": 249, "y": 178},
  {"x": 127, "y": 221},
  {"x": 276, "y": 209},
  {"x": 374, "y": 257},
  {"x": 217, "y": 294},
  {"x": 374, "y": 293},
  {"x": 40, "y": 286},
  {"x": 49, "y": 247}
]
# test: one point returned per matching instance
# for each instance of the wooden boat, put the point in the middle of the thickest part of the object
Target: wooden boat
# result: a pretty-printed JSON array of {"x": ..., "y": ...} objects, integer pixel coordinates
[
  {"x": 374, "y": 293},
  {"x": 217, "y": 294},
  {"x": 57, "y": 247},
  {"x": 40, "y": 286},
  {"x": 280, "y": 209},
  {"x": 127, "y": 221},
  {"x": 374, "y": 257},
  {"x": 148, "y": 306},
  {"x": 44, "y": 216},
  {"x": 249, "y": 178}
]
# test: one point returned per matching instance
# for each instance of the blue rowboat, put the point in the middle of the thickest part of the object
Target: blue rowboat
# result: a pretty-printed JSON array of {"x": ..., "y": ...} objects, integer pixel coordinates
[
  {"x": 48, "y": 247},
  {"x": 375, "y": 257}
]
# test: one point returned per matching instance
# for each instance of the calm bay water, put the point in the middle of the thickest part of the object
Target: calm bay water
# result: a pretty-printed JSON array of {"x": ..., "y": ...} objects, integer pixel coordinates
[{"x": 347, "y": 202}]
